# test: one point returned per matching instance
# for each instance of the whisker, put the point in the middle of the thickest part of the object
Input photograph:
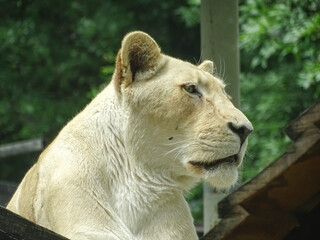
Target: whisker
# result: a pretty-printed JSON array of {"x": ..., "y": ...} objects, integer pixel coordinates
[
  {"x": 219, "y": 74},
  {"x": 173, "y": 150},
  {"x": 201, "y": 57},
  {"x": 182, "y": 148},
  {"x": 224, "y": 68},
  {"x": 249, "y": 155},
  {"x": 174, "y": 143},
  {"x": 195, "y": 61}
]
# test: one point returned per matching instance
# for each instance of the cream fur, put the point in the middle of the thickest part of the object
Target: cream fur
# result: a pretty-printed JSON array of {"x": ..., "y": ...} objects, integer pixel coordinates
[{"x": 118, "y": 170}]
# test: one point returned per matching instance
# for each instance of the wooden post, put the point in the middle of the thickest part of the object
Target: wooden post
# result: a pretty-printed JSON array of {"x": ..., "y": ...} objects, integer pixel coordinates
[
  {"x": 219, "y": 42},
  {"x": 21, "y": 147}
]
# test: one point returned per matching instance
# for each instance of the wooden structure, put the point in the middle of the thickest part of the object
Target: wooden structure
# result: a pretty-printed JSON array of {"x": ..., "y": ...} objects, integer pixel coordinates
[
  {"x": 21, "y": 147},
  {"x": 283, "y": 201},
  {"x": 14, "y": 227}
]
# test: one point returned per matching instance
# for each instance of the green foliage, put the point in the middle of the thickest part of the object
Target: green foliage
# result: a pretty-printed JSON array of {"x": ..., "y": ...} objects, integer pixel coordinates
[
  {"x": 280, "y": 59},
  {"x": 195, "y": 200},
  {"x": 190, "y": 14},
  {"x": 55, "y": 55}
]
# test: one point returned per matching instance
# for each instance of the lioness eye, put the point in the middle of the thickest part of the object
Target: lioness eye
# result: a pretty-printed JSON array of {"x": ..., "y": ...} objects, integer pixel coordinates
[{"x": 191, "y": 89}]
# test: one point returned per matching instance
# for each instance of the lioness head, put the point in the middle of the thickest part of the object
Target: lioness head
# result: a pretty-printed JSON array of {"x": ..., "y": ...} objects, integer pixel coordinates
[{"x": 179, "y": 119}]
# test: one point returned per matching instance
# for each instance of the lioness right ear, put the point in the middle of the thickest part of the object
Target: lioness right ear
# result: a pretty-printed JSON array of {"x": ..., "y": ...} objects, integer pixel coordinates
[
  {"x": 138, "y": 53},
  {"x": 208, "y": 66}
]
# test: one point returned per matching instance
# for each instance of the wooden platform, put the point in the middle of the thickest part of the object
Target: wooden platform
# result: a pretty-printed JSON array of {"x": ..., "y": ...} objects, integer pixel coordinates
[{"x": 272, "y": 204}]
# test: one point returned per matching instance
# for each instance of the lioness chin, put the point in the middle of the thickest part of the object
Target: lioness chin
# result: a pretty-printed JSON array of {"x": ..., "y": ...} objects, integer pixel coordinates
[{"x": 118, "y": 170}]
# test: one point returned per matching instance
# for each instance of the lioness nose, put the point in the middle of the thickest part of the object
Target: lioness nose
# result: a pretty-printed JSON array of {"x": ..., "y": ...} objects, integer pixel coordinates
[{"x": 242, "y": 131}]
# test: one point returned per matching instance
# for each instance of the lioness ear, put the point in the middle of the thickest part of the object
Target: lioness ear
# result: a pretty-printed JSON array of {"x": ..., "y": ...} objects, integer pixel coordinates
[
  {"x": 138, "y": 53},
  {"x": 208, "y": 66}
]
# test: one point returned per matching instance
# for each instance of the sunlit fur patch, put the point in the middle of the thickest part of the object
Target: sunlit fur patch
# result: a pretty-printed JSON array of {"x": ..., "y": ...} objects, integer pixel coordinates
[{"x": 222, "y": 177}]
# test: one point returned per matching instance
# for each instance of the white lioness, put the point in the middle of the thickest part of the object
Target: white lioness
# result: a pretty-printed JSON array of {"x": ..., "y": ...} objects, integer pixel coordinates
[{"x": 118, "y": 170}]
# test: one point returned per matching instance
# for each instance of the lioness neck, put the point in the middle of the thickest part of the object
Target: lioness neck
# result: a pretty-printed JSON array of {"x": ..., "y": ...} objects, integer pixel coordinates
[{"x": 136, "y": 193}]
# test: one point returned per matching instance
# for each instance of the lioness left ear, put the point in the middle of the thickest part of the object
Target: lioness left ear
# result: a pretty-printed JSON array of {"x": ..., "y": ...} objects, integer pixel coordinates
[
  {"x": 207, "y": 66},
  {"x": 139, "y": 53}
]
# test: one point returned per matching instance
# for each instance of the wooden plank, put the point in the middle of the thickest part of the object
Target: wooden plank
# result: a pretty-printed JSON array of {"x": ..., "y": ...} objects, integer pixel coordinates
[
  {"x": 275, "y": 226},
  {"x": 13, "y": 226},
  {"x": 7, "y": 190},
  {"x": 295, "y": 186},
  {"x": 309, "y": 117},
  {"x": 227, "y": 225},
  {"x": 26, "y": 146},
  {"x": 308, "y": 228},
  {"x": 245, "y": 226}
]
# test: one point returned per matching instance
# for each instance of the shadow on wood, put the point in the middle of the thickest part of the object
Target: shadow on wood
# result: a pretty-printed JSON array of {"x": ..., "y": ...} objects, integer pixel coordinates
[{"x": 12, "y": 226}]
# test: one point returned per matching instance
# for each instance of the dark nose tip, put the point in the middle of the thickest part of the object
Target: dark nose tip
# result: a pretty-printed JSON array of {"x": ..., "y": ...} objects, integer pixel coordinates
[{"x": 242, "y": 131}]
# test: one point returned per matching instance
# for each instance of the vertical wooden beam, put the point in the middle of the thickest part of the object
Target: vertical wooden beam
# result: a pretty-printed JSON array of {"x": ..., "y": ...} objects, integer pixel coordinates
[{"x": 219, "y": 43}]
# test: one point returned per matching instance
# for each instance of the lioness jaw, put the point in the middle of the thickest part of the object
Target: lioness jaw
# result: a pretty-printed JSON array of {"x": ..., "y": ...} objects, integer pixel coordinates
[{"x": 119, "y": 168}]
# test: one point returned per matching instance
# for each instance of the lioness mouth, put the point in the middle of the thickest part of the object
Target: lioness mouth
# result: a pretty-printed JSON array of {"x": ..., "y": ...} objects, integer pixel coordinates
[{"x": 210, "y": 165}]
